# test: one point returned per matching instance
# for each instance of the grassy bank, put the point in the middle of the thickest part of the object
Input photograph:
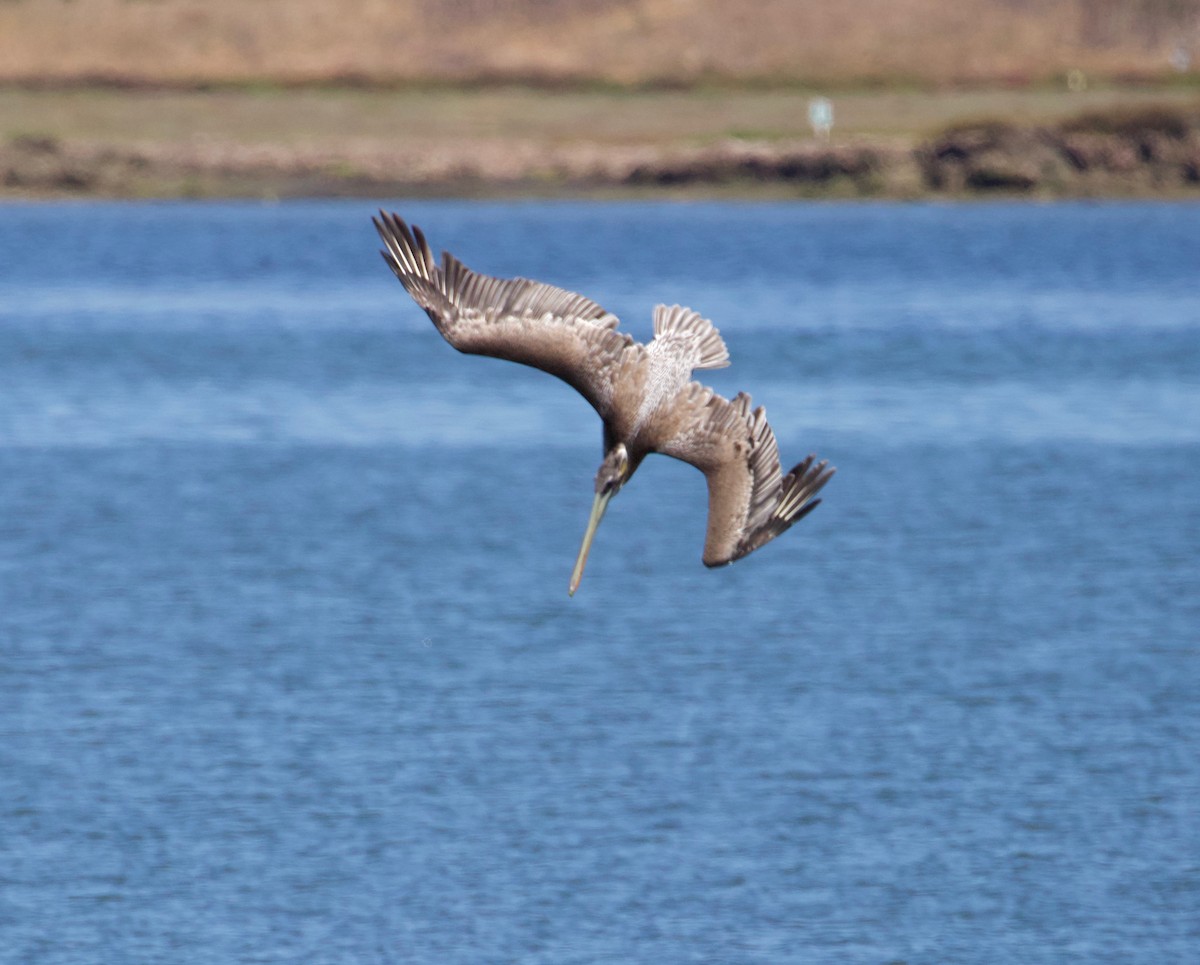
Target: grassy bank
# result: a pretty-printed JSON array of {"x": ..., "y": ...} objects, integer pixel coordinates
[{"x": 329, "y": 140}]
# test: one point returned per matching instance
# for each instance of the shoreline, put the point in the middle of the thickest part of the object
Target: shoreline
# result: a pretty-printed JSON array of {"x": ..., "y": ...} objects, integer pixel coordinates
[
  {"x": 518, "y": 144},
  {"x": 972, "y": 163}
]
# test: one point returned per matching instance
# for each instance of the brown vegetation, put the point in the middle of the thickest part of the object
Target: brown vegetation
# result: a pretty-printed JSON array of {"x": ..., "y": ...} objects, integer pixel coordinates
[
  {"x": 1124, "y": 152},
  {"x": 626, "y": 42}
]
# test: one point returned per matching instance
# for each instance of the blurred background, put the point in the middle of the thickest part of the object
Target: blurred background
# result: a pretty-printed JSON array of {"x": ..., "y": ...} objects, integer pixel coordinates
[
  {"x": 174, "y": 97},
  {"x": 625, "y": 42}
]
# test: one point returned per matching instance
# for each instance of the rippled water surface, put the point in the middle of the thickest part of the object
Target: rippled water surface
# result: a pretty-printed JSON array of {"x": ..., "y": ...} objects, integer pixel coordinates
[{"x": 288, "y": 671}]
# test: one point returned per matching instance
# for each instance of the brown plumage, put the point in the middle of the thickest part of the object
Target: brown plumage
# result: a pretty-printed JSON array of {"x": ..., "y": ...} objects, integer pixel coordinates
[{"x": 643, "y": 393}]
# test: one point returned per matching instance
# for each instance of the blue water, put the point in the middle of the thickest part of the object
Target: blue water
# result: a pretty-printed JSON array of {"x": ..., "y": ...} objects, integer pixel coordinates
[{"x": 288, "y": 671}]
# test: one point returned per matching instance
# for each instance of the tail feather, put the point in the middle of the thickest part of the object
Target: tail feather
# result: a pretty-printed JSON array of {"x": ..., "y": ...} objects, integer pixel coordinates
[{"x": 675, "y": 321}]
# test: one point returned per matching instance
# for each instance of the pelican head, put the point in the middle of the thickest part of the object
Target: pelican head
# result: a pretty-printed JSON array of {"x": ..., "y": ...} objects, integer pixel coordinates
[{"x": 611, "y": 476}]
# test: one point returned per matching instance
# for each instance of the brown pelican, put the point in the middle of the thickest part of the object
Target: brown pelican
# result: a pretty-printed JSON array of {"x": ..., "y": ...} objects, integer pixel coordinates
[{"x": 643, "y": 393}]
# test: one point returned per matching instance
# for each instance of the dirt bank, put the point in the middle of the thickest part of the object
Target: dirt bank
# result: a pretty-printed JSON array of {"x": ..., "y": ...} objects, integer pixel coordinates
[
  {"x": 1146, "y": 152},
  {"x": 1149, "y": 152}
]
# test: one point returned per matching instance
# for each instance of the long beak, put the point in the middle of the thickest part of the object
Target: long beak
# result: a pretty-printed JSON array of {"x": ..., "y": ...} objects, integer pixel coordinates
[{"x": 598, "y": 508}]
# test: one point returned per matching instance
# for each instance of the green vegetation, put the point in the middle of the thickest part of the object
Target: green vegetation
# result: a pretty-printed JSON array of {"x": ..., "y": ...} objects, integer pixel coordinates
[{"x": 344, "y": 119}]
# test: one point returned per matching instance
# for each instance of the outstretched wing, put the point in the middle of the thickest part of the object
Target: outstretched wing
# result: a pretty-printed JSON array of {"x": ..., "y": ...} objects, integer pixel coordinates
[
  {"x": 523, "y": 321},
  {"x": 750, "y": 501}
]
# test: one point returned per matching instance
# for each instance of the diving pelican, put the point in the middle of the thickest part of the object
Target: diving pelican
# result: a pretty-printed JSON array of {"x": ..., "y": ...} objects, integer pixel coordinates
[{"x": 643, "y": 393}]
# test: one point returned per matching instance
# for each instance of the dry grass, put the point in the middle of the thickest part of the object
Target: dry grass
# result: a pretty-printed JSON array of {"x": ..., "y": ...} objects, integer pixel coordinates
[{"x": 607, "y": 41}]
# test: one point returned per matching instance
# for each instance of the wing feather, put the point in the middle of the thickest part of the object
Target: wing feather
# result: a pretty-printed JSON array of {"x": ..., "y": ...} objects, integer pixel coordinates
[
  {"x": 750, "y": 501},
  {"x": 549, "y": 328}
]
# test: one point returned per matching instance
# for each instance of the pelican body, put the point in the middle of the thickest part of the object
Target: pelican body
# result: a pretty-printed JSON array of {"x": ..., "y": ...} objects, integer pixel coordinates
[{"x": 644, "y": 394}]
